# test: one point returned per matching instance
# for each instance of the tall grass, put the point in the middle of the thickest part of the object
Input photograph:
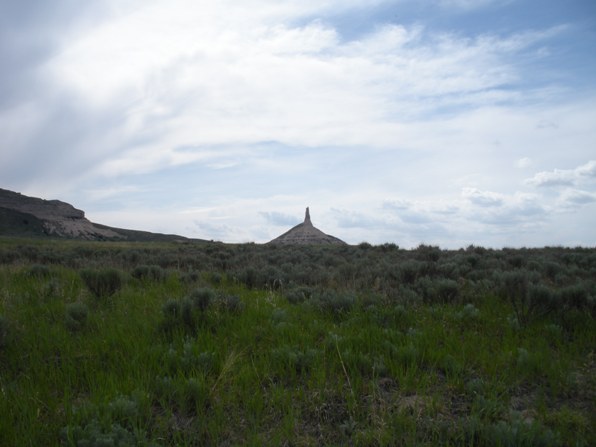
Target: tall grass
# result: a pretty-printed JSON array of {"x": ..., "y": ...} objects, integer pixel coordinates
[{"x": 172, "y": 361}]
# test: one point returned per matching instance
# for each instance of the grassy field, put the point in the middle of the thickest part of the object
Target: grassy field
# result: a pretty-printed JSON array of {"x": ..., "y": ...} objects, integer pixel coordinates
[{"x": 121, "y": 344}]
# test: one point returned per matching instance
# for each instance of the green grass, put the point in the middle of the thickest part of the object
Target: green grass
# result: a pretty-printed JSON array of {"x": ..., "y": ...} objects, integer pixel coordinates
[{"x": 345, "y": 369}]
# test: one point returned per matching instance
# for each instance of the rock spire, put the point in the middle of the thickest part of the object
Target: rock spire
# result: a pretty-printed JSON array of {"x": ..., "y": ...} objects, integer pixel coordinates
[{"x": 305, "y": 233}]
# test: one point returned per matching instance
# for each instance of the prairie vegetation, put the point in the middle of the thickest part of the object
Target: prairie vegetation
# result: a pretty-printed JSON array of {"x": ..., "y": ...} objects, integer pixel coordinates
[{"x": 119, "y": 344}]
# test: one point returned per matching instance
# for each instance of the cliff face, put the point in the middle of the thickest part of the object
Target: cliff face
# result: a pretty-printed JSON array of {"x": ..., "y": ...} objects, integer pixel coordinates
[
  {"x": 305, "y": 234},
  {"x": 56, "y": 218}
]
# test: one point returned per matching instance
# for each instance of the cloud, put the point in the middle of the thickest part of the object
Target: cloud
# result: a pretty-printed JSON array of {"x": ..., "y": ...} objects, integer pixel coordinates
[
  {"x": 148, "y": 86},
  {"x": 574, "y": 197},
  {"x": 524, "y": 162},
  {"x": 353, "y": 219},
  {"x": 520, "y": 210},
  {"x": 237, "y": 115},
  {"x": 587, "y": 170},
  {"x": 483, "y": 198},
  {"x": 469, "y": 5},
  {"x": 184, "y": 73},
  {"x": 280, "y": 219},
  {"x": 564, "y": 177},
  {"x": 31, "y": 33},
  {"x": 557, "y": 177}
]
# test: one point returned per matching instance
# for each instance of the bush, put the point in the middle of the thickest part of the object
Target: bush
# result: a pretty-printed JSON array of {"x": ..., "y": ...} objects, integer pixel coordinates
[
  {"x": 149, "y": 273},
  {"x": 574, "y": 297},
  {"x": 294, "y": 359},
  {"x": 120, "y": 423},
  {"x": 172, "y": 315},
  {"x": 171, "y": 308},
  {"x": 529, "y": 300},
  {"x": 195, "y": 396},
  {"x": 334, "y": 303},
  {"x": 410, "y": 271},
  {"x": 299, "y": 294},
  {"x": 190, "y": 396},
  {"x": 249, "y": 277},
  {"x": 93, "y": 434},
  {"x": 102, "y": 283},
  {"x": 468, "y": 314},
  {"x": 230, "y": 304},
  {"x": 190, "y": 277},
  {"x": 39, "y": 271},
  {"x": 76, "y": 316},
  {"x": 519, "y": 433},
  {"x": 445, "y": 291},
  {"x": 202, "y": 298},
  {"x": 184, "y": 312},
  {"x": 5, "y": 332}
]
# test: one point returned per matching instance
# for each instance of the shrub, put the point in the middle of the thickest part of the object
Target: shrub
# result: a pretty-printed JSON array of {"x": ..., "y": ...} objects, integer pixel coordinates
[
  {"x": 186, "y": 312},
  {"x": 149, "y": 273},
  {"x": 39, "y": 271},
  {"x": 468, "y": 314},
  {"x": 428, "y": 253},
  {"x": 8, "y": 256},
  {"x": 487, "y": 409},
  {"x": 195, "y": 396},
  {"x": 529, "y": 301},
  {"x": 409, "y": 271},
  {"x": 519, "y": 433},
  {"x": 5, "y": 332},
  {"x": 446, "y": 290},
  {"x": 172, "y": 315},
  {"x": 407, "y": 355},
  {"x": 230, "y": 304},
  {"x": 294, "y": 359},
  {"x": 249, "y": 277},
  {"x": 76, "y": 316},
  {"x": 93, "y": 434},
  {"x": 334, "y": 303},
  {"x": 202, "y": 298},
  {"x": 573, "y": 297},
  {"x": 406, "y": 296},
  {"x": 528, "y": 363},
  {"x": 449, "y": 365},
  {"x": 102, "y": 283},
  {"x": 190, "y": 396},
  {"x": 171, "y": 308},
  {"x": 189, "y": 277},
  {"x": 541, "y": 299},
  {"x": 122, "y": 422},
  {"x": 215, "y": 278},
  {"x": 279, "y": 316},
  {"x": 299, "y": 294}
]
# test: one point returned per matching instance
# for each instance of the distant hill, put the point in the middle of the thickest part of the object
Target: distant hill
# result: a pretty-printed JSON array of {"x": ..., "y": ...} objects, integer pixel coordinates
[{"x": 25, "y": 216}]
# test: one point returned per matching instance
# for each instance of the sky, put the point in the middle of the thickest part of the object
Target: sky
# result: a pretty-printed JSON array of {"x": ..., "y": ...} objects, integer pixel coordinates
[{"x": 442, "y": 122}]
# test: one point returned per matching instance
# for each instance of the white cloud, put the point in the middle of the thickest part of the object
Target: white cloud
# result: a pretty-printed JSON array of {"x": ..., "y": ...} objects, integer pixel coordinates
[
  {"x": 229, "y": 73},
  {"x": 469, "y": 5},
  {"x": 280, "y": 219},
  {"x": 524, "y": 162},
  {"x": 575, "y": 197},
  {"x": 587, "y": 170},
  {"x": 233, "y": 116},
  {"x": 483, "y": 198},
  {"x": 564, "y": 177},
  {"x": 556, "y": 177}
]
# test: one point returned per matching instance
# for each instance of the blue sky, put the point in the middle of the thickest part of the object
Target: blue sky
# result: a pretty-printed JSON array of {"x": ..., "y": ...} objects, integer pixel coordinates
[{"x": 445, "y": 122}]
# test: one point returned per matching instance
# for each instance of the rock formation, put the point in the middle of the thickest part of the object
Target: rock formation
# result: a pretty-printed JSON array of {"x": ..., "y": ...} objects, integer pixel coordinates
[
  {"x": 57, "y": 218},
  {"x": 305, "y": 234}
]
